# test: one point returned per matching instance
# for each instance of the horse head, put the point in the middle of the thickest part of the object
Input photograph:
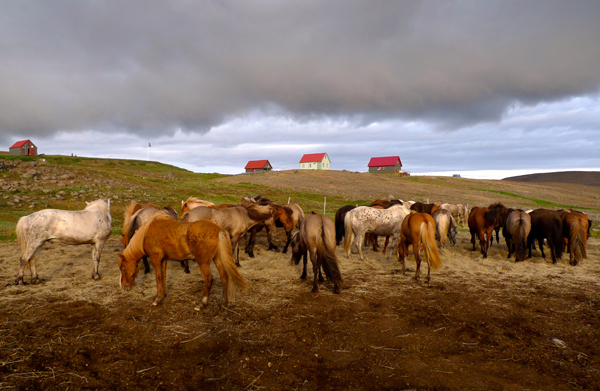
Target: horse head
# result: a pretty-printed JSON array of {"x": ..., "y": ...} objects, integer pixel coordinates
[{"x": 129, "y": 271}]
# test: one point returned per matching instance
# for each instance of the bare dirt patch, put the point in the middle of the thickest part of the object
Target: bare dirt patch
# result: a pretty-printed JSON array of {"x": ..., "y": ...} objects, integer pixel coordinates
[{"x": 481, "y": 324}]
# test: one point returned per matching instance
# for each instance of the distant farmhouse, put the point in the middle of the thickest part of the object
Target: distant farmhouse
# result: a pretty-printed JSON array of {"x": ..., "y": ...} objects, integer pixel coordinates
[
  {"x": 385, "y": 165},
  {"x": 258, "y": 166},
  {"x": 23, "y": 148},
  {"x": 315, "y": 161}
]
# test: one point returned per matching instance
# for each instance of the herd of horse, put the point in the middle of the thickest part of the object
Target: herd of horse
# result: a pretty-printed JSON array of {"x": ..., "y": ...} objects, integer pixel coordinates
[{"x": 206, "y": 232}]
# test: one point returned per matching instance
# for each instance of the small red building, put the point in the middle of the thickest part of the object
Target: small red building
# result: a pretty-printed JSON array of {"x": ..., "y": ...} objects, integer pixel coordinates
[
  {"x": 258, "y": 166},
  {"x": 385, "y": 165},
  {"x": 23, "y": 148}
]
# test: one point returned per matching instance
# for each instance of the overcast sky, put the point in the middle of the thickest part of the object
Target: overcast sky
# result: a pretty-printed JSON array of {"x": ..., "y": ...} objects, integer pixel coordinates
[{"x": 480, "y": 88}]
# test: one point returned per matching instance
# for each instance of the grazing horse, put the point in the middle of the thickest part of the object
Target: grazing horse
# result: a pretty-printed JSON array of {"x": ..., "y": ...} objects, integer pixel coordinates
[
  {"x": 133, "y": 221},
  {"x": 364, "y": 219},
  {"x": 163, "y": 238},
  {"x": 425, "y": 208},
  {"x": 478, "y": 227},
  {"x": 235, "y": 220},
  {"x": 317, "y": 238},
  {"x": 546, "y": 224},
  {"x": 497, "y": 216},
  {"x": 515, "y": 232},
  {"x": 283, "y": 218},
  {"x": 446, "y": 227},
  {"x": 463, "y": 214},
  {"x": 93, "y": 225},
  {"x": 191, "y": 203},
  {"x": 418, "y": 229},
  {"x": 340, "y": 215},
  {"x": 576, "y": 229}
]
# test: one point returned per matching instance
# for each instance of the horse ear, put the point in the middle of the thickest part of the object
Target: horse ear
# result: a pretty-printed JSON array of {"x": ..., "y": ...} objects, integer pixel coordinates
[{"x": 87, "y": 203}]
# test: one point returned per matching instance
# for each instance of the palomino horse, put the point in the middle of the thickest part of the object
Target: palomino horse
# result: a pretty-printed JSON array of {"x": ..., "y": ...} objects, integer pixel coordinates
[
  {"x": 546, "y": 224},
  {"x": 458, "y": 212},
  {"x": 235, "y": 220},
  {"x": 364, "y": 219},
  {"x": 135, "y": 216},
  {"x": 479, "y": 228},
  {"x": 191, "y": 203},
  {"x": 340, "y": 215},
  {"x": 163, "y": 238},
  {"x": 418, "y": 229},
  {"x": 317, "y": 238},
  {"x": 515, "y": 232},
  {"x": 283, "y": 218},
  {"x": 92, "y": 225},
  {"x": 446, "y": 227}
]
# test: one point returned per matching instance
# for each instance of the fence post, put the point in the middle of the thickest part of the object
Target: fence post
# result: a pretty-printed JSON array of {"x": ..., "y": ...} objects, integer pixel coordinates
[
  {"x": 289, "y": 198},
  {"x": 324, "y": 204}
]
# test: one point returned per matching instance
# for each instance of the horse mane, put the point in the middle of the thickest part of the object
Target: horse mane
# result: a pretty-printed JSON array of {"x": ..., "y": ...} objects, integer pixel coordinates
[
  {"x": 198, "y": 201},
  {"x": 129, "y": 211},
  {"x": 170, "y": 211},
  {"x": 495, "y": 213},
  {"x": 99, "y": 203},
  {"x": 255, "y": 211}
]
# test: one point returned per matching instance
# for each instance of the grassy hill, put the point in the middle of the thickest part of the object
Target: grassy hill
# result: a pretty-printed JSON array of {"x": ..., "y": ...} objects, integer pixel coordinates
[
  {"x": 32, "y": 183},
  {"x": 587, "y": 178}
]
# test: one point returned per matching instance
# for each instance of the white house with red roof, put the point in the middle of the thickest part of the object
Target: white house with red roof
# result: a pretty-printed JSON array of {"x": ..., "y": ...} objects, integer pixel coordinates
[
  {"x": 385, "y": 165},
  {"x": 258, "y": 166},
  {"x": 315, "y": 161},
  {"x": 23, "y": 148}
]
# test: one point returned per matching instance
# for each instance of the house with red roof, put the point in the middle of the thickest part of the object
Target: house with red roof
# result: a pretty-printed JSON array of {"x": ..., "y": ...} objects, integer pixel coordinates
[
  {"x": 258, "y": 166},
  {"x": 23, "y": 148},
  {"x": 385, "y": 165},
  {"x": 315, "y": 161}
]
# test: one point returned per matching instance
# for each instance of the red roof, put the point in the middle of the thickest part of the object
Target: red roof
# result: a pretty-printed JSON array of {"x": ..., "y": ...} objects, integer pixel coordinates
[
  {"x": 384, "y": 161},
  {"x": 312, "y": 157},
  {"x": 257, "y": 164},
  {"x": 19, "y": 144}
]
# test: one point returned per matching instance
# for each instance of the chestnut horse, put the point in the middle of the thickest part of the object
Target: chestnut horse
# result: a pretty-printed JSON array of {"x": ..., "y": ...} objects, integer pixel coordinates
[
  {"x": 576, "y": 227},
  {"x": 135, "y": 216},
  {"x": 163, "y": 238},
  {"x": 515, "y": 232},
  {"x": 418, "y": 229},
  {"x": 479, "y": 228},
  {"x": 317, "y": 238},
  {"x": 497, "y": 216},
  {"x": 425, "y": 208},
  {"x": 283, "y": 218}
]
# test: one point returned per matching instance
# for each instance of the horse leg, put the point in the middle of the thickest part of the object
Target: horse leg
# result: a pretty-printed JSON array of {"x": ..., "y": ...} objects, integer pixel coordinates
[
  {"x": 305, "y": 260},
  {"x": 272, "y": 245},
  {"x": 288, "y": 233},
  {"x": 416, "y": 251},
  {"x": 360, "y": 237},
  {"x": 316, "y": 269},
  {"x": 96, "y": 251},
  {"x": 402, "y": 249},
  {"x": 160, "y": 272},
  {"x": 146, "y": 264},
  {"x": 251, "y": 241},
  {"x": 387, "y": 241},
  {"x": 473, "y": 241},
  {"x": 32, "y": 261},
  {"x": 234, "y": 245},
  {"x": 541, "y": 244},
  {"x": 208, "y": 280},
  {"x": 186, "y": 266}
]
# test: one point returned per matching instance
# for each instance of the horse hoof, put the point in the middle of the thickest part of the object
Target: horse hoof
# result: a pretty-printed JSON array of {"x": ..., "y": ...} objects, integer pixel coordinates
[
  {"x": 96, "y": 277},
  {"x": 37, "y": 281},
  {"x": 336, "y": 290},
  {"x": 315, "y": 290},
  {"x": 155, "y": 303}
]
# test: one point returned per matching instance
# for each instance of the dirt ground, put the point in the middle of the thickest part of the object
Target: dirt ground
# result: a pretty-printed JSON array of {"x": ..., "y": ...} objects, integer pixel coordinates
[{"x": 482, "y": 324}]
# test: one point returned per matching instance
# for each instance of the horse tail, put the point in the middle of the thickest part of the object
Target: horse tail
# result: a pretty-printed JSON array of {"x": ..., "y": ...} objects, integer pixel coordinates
[
  {"x": 520, "y": 239},
  {"x": 129, "y": 212},
  {"x": 556, "y": 237},
  {"x": 326, "y": 251},
  {"x": 21, "y": 234},
  {"x": 348, "y": 234},
  {"x": 427, "y": 232},
  {"x": 443, "y": 229},
  {"x": 577, "y": 241},
  {"x": 339, "y": 227},
  {"x": 224, "y": 258}
]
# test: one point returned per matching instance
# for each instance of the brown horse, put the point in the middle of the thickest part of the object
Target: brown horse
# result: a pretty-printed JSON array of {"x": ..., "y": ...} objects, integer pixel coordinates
[
  {"x": 546, "y": 224},
  {"x": 515, "y": 232},
  {"x": 163, "y": 238},
  {"x": 425, "y": 208},
  {"x": 135, "y": 216},
  {"x": 497, "y": 216},
  {"x": 418, "y": 229},
  {"x": 235, "y": 220},
  {"x": 479, "y": 228},
  {"x": 317, "y": 237},
  {"x": 575, "y": 229},
  {"x": 340, "y": 215},
  {"x": 283, "y": 218}
]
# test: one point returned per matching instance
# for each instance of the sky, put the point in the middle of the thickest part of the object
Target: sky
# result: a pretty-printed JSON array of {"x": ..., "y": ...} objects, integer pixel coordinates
[{"x": 485, "y": 89}]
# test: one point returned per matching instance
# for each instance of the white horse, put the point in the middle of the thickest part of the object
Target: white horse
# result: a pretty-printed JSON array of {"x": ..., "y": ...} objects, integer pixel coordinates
[
  {"x": 364, "y": 219},
  {"x": 93, "y": 225}
]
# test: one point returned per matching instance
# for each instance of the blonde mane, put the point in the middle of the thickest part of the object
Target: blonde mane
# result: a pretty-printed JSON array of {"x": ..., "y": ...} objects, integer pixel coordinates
[
  {"x": 194, "y": 200},
  {"x": 135, "y": 248}
]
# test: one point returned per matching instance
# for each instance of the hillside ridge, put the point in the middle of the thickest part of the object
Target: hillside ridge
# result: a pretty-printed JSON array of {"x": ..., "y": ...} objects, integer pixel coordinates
[{"x": 586, "y": 178}]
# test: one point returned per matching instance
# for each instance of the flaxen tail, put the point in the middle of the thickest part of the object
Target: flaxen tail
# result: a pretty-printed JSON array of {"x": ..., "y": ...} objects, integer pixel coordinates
[
  {"x": 326, "y": 251},
  {"x": 21, "y": 235},
  {"x": 428, "y": 241},
  {"x": 224, "y": 257},
  {"x": 349, "y": 235}
]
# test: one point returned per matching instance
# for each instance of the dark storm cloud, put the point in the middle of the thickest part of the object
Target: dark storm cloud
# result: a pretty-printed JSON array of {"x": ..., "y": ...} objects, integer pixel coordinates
[{"x": 154, "y": 67}]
